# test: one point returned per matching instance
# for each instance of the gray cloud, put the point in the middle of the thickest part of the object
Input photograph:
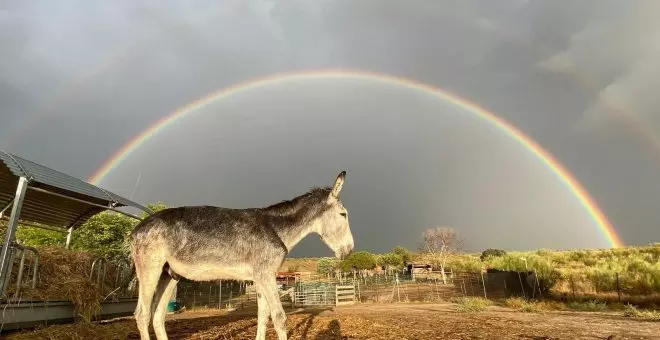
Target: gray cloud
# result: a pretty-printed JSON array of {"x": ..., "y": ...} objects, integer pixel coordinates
[{"x": 552, "y": 68}]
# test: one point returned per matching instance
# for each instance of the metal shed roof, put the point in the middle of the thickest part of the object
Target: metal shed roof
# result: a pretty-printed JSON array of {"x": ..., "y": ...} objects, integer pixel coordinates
[{"x": 58, "y": 200}]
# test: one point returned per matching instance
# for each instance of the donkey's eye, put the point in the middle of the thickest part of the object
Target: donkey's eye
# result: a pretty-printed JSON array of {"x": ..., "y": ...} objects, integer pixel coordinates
[{"x": 343, "y": 214}]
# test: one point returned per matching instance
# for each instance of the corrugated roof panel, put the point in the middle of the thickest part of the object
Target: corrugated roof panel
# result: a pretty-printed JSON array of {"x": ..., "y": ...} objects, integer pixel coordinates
[
  {"x": 39, "y": 173},
  {"x": 51, "y": 210}
]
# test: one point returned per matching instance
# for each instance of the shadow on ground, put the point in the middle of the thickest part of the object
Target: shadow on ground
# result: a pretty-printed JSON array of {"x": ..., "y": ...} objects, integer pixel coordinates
[{"x": 240, "y": 323}]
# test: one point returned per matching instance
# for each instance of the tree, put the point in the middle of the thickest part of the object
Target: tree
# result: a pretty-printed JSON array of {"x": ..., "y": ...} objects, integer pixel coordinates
[
  {"x": 439, "y": 243},
  {"x": 361, "y": 260},
  {"x": 35, "y": 237},
  {"x": 327, "y": 265},
  {"x": 155, "y": 207},
  {"x": 105, "y": 234},
  {"x": 405, "y": 254},
  {"x": 490, "y": 252},
  {"x": 390, "y": 261}
]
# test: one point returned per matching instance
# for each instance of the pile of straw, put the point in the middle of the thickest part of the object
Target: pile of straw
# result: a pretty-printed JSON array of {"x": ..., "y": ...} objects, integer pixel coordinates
[{"x": 64, "y": 276}]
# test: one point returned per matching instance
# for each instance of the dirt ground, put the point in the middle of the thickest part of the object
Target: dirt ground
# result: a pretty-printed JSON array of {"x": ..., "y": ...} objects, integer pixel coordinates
[{"x": 377, "y": 321}]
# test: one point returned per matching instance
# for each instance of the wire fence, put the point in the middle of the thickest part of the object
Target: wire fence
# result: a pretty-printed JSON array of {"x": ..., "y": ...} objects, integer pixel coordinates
[{"x": 426, "y": 287}]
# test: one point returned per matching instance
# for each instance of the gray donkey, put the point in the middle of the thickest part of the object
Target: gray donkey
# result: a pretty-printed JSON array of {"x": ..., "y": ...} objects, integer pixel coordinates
[{"x": 204, "y": 243}]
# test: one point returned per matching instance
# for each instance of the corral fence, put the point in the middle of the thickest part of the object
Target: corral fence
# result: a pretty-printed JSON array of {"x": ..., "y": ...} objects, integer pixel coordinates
[
  {"x": 224, "y": 294},
  {"x": 241, "y": 294},
  {"x": 431, "y": 286}
]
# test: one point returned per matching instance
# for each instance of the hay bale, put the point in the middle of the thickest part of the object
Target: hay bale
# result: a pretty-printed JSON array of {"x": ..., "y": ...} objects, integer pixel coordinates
[{"x": 64, "y": 275}]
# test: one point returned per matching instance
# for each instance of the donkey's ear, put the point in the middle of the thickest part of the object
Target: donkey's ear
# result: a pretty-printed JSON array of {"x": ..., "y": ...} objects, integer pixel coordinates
[{"x": 339, "y": 183}]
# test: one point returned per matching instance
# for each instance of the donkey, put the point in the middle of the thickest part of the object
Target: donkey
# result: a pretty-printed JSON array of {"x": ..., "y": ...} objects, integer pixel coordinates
[{"x": 204, "y": 243}]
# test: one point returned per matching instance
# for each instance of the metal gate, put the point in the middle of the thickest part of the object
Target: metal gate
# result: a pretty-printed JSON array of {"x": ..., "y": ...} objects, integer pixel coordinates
[
  {"x": 323, "y": 294},
  {"x": 344, "y": 295}
]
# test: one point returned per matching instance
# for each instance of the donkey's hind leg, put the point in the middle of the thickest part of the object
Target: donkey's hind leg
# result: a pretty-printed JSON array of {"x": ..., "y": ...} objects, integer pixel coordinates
[
  {"x": 164, "y": 291},
  {"x": 267, "y": 285},
  {"x": 148, "y": 272},
  {"x": 263, "y": 314}
]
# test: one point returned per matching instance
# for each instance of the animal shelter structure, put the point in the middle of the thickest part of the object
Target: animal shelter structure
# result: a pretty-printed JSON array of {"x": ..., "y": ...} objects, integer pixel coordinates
[{"x": 34, "y": 195}]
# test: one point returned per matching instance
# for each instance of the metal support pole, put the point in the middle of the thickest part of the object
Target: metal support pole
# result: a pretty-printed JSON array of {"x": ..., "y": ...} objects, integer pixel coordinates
[
  {"x": 2, "y": 212},
  {"x": 483, "y": 283},
  {"x": 69, "y": 234},
  {"x": 618, "y": 287},
  {"x": 11, "y": 233}
]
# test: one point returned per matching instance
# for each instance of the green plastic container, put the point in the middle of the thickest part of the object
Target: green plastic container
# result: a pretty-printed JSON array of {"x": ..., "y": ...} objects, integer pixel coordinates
[{"x": 171, "y": 306}]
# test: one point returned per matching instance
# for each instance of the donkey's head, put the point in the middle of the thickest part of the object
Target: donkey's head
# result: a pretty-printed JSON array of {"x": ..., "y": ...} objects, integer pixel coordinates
[{"x": 334, "y": 228}]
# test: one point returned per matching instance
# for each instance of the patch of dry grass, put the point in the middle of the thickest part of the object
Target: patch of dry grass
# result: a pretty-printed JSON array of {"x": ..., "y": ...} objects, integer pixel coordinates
[
  {"x": 633, "y": 312},
  {"x": 471, "y": 304},
  {"x": 530, "y": 306},
  {"x": 79, "y": 331},
  {"x": 588, "y": 306}
]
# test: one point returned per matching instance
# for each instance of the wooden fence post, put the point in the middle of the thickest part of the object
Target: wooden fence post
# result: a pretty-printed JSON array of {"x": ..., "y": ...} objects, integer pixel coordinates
[{"x": 618, "y": 288}]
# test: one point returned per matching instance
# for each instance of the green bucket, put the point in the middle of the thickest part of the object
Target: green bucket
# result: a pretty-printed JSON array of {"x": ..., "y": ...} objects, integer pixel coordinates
[{"x": 171, "y": 306}]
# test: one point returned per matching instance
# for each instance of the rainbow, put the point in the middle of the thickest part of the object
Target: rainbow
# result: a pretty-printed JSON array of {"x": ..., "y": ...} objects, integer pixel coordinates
[{"x": 544, "y": 156}]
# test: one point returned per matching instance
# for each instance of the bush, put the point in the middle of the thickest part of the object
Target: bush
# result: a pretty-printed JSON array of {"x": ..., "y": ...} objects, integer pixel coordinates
[
  {"x": 465, "y": 263},
  {"x": 490, "y": 252}
]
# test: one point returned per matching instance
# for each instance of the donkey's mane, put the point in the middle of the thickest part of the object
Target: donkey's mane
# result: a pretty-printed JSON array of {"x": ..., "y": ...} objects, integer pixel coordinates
[{"x": 314, "y": 196}]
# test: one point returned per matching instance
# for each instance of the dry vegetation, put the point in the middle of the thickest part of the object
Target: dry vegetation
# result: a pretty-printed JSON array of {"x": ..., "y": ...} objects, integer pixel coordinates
[
  {"x": 590, "y": 274},
  {"x": 64, "y": 275}
]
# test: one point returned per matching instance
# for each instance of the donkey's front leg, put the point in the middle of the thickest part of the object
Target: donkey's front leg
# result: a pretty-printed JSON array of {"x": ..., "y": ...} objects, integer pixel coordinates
[
  {"x": 267, "y": 286},
  {"x": 263, "y": 315}
]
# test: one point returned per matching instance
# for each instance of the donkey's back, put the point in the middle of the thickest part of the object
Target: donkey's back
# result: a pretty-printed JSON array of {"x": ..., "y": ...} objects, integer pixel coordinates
[{"x": 207, "y": 242}]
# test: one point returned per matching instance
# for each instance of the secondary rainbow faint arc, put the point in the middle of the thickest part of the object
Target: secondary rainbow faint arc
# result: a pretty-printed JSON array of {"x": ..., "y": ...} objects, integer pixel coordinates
[{"x": 564, "y": 175}]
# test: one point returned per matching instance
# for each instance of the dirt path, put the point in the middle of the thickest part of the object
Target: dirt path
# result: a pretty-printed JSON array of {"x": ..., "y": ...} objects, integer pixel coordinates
[{"x": 385, "y": 321}]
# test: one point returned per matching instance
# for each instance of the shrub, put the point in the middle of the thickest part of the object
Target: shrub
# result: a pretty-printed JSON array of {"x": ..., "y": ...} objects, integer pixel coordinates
[
  {"x": 465, "y": 263},
  {"x": 490, "y": 252}
]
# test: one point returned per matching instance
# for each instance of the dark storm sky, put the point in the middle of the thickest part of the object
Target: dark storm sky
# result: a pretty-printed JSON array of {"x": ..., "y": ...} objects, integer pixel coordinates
[{"x": 79, "y": 79}]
